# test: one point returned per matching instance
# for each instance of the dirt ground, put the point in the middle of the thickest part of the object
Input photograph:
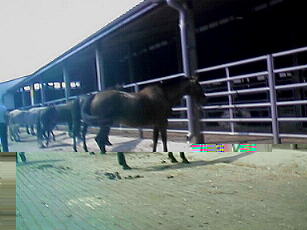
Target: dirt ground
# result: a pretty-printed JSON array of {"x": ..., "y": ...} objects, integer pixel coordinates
[
  {"x": 129, "y": 142},
  {"x": 230, "y": 191}
]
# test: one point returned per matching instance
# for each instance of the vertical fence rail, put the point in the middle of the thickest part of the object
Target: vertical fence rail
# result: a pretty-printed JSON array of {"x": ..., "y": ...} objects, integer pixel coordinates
[
  {"x": 137, "y": 89},
  {"x": 230, "y": 102},
  {"x": 274, "y": 111}
]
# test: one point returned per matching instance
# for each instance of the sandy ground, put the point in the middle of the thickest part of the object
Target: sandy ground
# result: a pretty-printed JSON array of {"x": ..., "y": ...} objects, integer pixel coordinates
[
  {"x": 231, "y": 191},
  {"x": 129, "y": 142}
]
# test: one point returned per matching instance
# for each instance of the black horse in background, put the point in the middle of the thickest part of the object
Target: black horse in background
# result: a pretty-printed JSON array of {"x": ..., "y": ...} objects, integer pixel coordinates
[
  {"x": 47, "y": 120},
  {"x": 69, "y": 113},
  {"x": 149, "y": 107}
]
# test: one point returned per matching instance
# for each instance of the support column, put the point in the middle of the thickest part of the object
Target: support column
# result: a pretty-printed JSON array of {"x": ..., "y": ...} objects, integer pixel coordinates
[
  {"x": 32, "y": 94},
  {"x": 23, "y": 97},
  {"x": 67, "y": 83},
  {"x": 189, "y": 60},
  {"x": 130, "y": 65},
  {"x": 99, "y": 69},
  {"x": 43, "y": 96}
]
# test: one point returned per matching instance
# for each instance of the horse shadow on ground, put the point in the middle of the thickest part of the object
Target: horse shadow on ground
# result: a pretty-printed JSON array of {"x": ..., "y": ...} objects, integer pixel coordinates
[
  {"x": 22, "y": 164},
  {"x": 53, "y": 145},
  {"x": 179, "y": 165},
  {"x": 127, "y": 146}
]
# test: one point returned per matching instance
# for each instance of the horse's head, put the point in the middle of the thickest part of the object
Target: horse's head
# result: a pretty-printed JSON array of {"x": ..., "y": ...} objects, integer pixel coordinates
[
  {"x": 195, "y": 90},
  {"x": 52, "y": 113}
]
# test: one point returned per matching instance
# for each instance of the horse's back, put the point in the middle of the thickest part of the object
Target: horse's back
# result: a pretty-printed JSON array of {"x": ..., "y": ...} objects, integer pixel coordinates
[
  {"x": 17, "y": 116},
  {"x": 132, "y": 109},
  {"x": 32, "y": 115}
]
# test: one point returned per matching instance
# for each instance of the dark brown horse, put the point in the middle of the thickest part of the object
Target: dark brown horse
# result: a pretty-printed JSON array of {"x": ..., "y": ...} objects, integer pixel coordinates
[
  {"x": 84, "y": 125},
  {"x": 149, "y": 107}
]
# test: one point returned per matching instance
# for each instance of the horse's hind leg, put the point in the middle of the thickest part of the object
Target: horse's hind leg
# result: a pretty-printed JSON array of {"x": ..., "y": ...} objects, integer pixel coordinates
[
  {"x": 27, "y": 130},
  {"x": 84, "y": 131},
  {"x": 172, "y": 158},
  {"x": 184, "y": 159},
  {"x": 155, "y": 138},
  {"x": 99, "y": 140},
  {"x": 32, "y": 130},
  {"x": 122, "y": 160},
  {"x": 164, "y": 138},
  {"x": 52, "y": 135},
  {"x": 74, "y": 138}
]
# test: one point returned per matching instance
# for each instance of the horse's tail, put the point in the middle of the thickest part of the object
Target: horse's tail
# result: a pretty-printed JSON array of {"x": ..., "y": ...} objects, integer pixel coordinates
[{"x": 85, "y": 111}]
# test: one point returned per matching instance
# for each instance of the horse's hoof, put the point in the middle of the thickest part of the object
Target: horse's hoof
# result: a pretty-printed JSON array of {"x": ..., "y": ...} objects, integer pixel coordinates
[
  {"x": 91, "y": 153},
  {"x": 185, "y": 162},
  {"x": 173, "y": 160},
  {"x": 126, "y": 167},
  {"x": 42, "y": 146},
  {"x": 102, "y": 153}
]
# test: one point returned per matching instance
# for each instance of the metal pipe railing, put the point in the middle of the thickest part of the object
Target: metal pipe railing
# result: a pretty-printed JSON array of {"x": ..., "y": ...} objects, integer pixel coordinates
[
  {"x": 231, "y": 64},
  {"x": 232, "y": 78}
]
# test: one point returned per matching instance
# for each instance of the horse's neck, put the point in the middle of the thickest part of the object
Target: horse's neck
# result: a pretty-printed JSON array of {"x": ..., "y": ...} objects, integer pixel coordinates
[{"x": 175, "y": 93}]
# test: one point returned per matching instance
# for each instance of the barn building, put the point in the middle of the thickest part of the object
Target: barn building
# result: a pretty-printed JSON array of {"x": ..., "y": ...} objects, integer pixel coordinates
[{"x": 250, "y": 56}]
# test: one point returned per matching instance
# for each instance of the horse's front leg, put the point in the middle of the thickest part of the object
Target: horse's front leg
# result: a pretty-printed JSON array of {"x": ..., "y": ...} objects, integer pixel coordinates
[
  {"x": 155, "y": 138},
  {"x": 122, "y": 160},
  {"x": 40, "y": 136},
  {"x": 48, "y": 137},
  {"x": 184, "y": 159},
  {"x": 74, "y": 138},
  {"x": 172, "y": 158},
  {"x": 70, "y": 129}
]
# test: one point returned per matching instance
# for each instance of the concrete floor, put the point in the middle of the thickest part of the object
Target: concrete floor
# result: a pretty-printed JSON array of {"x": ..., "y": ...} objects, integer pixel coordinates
[{"x": 64, "y": 190}]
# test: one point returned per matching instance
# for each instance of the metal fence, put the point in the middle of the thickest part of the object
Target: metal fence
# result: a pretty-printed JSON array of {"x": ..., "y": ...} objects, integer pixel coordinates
[{"x": 269, "y": 73}]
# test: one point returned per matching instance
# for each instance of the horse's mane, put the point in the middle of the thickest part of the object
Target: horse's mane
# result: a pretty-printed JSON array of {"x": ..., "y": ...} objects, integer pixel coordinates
[{"x": 172, "y": 82}]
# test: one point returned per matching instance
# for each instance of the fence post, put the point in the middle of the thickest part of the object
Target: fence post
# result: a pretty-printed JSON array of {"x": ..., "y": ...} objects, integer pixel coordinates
[
  {"x": 136, "y": 89},
  {"x": 43, "y": 96},
  {"x": 230, "y": 102},
  {"x": 274, "y": 111},
  {"x": 32, "y": 94}
]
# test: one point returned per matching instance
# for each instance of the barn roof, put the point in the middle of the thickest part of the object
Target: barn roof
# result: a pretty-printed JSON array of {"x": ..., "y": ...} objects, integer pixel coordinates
[
  {"x": 7, "y": 85},
  {"x": 151, "y": 26}
]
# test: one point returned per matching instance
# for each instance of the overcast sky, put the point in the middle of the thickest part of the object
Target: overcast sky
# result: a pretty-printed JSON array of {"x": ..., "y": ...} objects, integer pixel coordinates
[{"x": 34, "y": 32}]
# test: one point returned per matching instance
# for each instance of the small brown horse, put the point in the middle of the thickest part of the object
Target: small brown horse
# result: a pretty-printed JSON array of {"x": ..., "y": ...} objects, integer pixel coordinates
[{"x": 149, "y": 107}]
